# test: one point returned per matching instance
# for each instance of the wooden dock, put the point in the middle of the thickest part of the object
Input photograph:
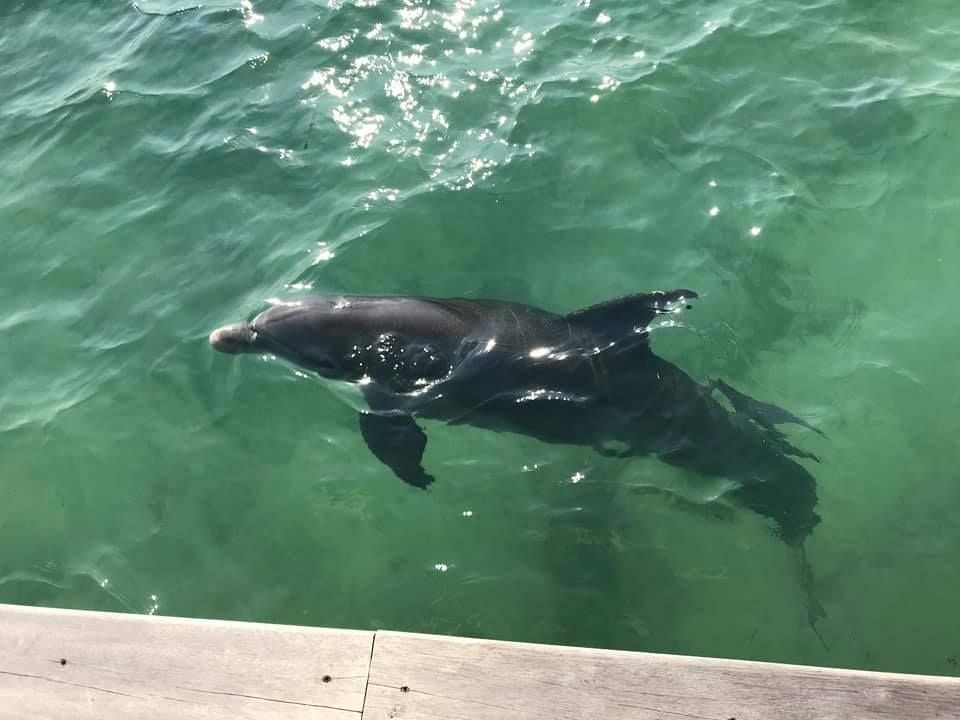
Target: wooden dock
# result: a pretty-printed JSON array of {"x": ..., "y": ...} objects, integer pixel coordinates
[{"x": 68, "y": 664}]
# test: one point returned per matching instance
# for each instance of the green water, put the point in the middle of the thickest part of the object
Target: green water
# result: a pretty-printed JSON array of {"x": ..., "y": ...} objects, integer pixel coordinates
[{"x": 168, "y": 168}]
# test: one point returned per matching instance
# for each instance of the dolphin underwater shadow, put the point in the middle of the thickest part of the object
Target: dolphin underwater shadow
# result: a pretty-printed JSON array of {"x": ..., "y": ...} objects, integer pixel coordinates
[{"x": 587, "y": 378}]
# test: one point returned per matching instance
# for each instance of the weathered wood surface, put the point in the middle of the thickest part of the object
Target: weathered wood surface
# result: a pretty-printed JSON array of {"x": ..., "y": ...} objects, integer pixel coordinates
[
  {"x": 73, "y": 664},
  {"x": 133, "y": 666},
  {"x": 423, "y": 676}
]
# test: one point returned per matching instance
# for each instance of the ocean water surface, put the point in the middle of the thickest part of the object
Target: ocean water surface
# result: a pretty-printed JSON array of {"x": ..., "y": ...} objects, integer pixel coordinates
[{"x": 170, "y": 166}]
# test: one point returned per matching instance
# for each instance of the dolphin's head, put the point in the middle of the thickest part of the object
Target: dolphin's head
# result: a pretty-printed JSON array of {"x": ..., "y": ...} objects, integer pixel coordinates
[{"x": 310, "y": 334}]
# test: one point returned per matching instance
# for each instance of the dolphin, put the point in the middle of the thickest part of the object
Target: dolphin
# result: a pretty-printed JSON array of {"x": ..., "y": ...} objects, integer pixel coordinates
[{"x": 588, "y": 378}]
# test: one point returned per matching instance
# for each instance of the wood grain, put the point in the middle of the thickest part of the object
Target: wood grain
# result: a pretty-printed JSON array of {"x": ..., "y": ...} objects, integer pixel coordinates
[
  {"x": 75, "y": 664},
  {"x": 420, "y": 676},
  {"x": 67, "y": 664}
]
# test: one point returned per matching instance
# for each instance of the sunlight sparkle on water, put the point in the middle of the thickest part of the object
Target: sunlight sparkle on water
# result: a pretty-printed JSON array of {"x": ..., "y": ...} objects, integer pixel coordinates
[
  {"x": 361, "y": 123},
  {"x": 524, "y": 44},
  {"x": 323, "y": 254},
  {"x": 608, "y": 83},
  {"x": 414, "y": 18},
  {"x": 339, "y": 42},
  {"x": 376, "y": 33},
  {"x": 250, "y": 16}
]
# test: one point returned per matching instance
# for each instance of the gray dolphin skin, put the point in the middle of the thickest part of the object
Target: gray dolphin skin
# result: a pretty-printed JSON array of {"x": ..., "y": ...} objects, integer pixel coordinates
[{"x": 586, "y": 378}]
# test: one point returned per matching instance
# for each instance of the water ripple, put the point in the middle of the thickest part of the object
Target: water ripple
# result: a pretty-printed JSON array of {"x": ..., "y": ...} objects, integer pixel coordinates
[{"x": 168, "y": 166}]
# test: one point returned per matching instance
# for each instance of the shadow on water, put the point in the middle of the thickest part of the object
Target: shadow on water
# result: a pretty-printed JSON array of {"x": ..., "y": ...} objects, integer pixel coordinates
[
  {"x": 582, "y": 561},
  {"x": 773, "y": 301},
  {"x": 614, "y": 582}
]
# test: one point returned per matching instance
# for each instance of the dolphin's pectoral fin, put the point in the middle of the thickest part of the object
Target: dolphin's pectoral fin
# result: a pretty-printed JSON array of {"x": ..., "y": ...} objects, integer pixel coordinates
[
  {"x": 398, "y": 442},
  {"x": 616, "y": 318}
]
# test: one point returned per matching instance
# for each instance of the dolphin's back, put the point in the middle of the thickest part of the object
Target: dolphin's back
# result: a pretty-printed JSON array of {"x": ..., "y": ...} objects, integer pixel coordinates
[
  {"x": 514, "y": 327},
  {"x": 445, "y": 321}
]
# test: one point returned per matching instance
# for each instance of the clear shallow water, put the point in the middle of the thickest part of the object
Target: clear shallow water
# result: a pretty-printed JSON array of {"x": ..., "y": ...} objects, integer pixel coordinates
[{"x": 168, "y": 168}]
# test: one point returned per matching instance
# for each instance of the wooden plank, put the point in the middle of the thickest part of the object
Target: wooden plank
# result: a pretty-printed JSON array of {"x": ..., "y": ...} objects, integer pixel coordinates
[
  {"x": 71, "y": 664},
  {"x": 423, "y": 676}
]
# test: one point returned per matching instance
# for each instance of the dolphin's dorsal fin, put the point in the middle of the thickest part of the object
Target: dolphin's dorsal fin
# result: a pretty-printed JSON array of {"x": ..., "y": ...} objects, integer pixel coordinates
[{"x": 630, "y": 313}]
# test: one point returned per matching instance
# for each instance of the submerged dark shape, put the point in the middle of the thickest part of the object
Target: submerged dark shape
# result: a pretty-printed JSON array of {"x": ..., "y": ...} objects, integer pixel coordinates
[{"x": 586, "y": 378}]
